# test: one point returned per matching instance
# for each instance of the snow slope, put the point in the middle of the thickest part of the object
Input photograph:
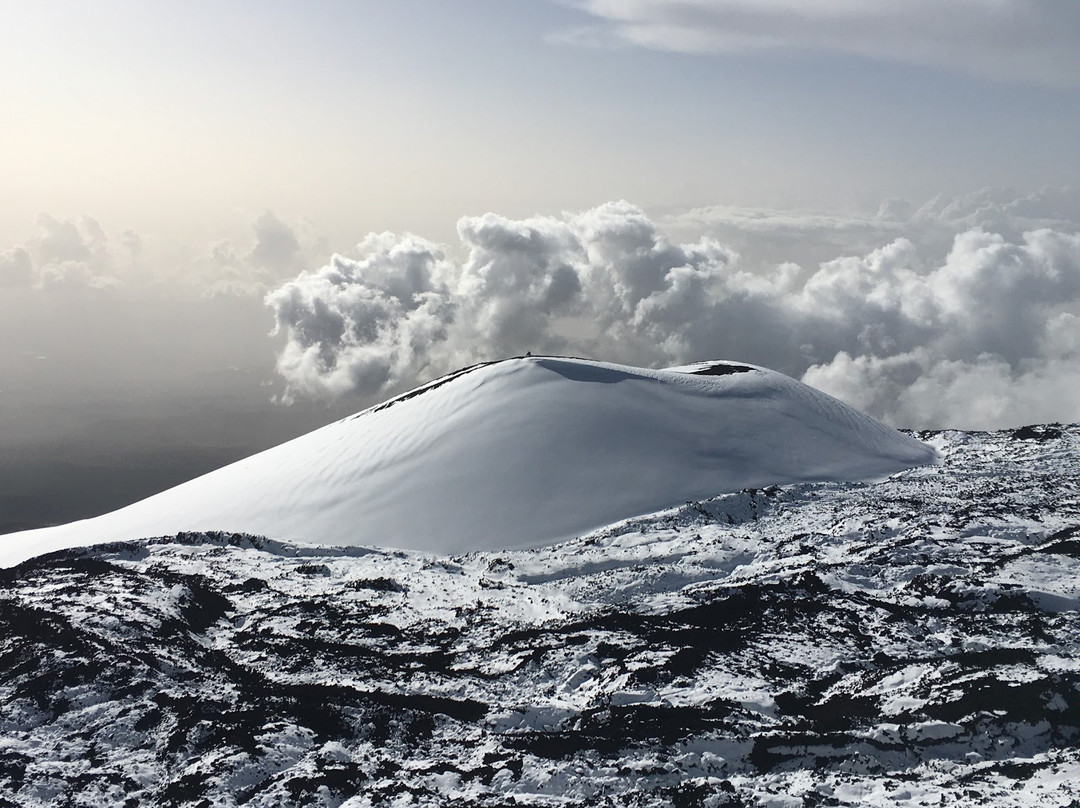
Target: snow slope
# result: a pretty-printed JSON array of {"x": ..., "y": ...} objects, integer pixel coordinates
[{"x": 518, "y": 453}]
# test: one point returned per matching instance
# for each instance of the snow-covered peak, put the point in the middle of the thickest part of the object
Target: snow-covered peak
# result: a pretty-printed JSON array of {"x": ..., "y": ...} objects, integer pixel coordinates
[{"x": 518, "y": 453}]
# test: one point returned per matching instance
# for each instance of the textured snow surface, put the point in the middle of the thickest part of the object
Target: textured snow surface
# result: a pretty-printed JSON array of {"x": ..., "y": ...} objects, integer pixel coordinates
[
  {"x": 909, "y": 642},
  {"x": 517, "y": 453}
]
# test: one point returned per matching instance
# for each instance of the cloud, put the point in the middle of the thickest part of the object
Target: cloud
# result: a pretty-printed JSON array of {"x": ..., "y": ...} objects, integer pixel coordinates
[
  {"x": 16, "y": 268},
  {"x": 72, "y": 256},
  {"x": 133, "y": 243},
  {"x": 962, "y": 311},
  {"x": 604, "y": 281},
  {"x": 277, "y": 251},
  {"x": 988, "y": 337},
  {"x": 975, "y": 330},
  {"x": 276, "y": 247},
  {"x": 1031, "y": 41},
  {"x": 61, "y": 241},
  {"x": 74, "y": 274},
  {"x": 925, "y": 389},
  {"x": 1002, "y": 210},
  {"x": 67, "y": 255},
  {"x": 362, "y": 324}
]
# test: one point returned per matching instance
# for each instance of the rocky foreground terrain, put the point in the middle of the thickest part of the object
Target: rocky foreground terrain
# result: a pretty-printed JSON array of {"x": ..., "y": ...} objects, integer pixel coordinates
[{"x": 908, "y": 642}]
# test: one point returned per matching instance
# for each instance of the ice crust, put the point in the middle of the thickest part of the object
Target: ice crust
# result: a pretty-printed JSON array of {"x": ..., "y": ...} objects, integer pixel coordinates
[{"x": 516, "y": 454}]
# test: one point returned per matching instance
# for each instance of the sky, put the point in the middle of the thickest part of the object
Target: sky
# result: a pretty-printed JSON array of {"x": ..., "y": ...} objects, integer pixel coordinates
[{"x": 222, "y": 224}]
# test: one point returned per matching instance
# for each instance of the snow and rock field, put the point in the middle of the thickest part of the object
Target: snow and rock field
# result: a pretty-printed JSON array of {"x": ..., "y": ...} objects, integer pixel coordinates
[{"x": 907, "y": 642}]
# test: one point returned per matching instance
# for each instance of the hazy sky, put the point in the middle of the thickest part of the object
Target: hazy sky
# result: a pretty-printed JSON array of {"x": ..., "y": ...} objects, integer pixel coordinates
[
  {"x": 179, "y": 119},
  {"x": 878, "y": 197}
]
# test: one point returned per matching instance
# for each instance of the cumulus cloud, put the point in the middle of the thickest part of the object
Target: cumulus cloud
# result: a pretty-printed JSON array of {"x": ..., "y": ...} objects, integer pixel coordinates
[
  {"x": 276, "y": 247},
  {"x": 924, "y": 389},
  {"x": 604, "y": 281},
  {"x": 71, "y": 256},
  {"x": 133, "y": 243},
  {"x": 1017, "y": 40},
  {"x": 764, "y": 236},
  {"x": 1002, "y": 210},
  {"x": 62, "y": 241},
  {"x": 16, "y": 268},
  {"x": 362, "y": 324},
  {"x": 277, "y": 251},
  {"x": 77, "y": 274},
  {"x": 979, "y": 332},
  {"x": 989, "y": 336}
]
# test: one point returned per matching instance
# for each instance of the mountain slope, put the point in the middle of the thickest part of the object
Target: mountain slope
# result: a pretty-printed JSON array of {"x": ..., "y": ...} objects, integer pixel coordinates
[
  {"x": 518, "y": 453},
  {"x": 909, "y": 642}
]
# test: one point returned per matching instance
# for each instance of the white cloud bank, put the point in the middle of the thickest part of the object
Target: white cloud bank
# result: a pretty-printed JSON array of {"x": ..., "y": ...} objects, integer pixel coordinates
[
  {"x": 983, "y": 332},
  {"x": 960, "y": 312},
  {"x": 1030, "y": 41}
]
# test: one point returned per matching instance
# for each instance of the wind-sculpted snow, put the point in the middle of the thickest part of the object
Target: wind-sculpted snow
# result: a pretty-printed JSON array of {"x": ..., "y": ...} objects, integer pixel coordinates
[
  {"x": 909, "y": 642},
  {"x": 518, "y": 453}
]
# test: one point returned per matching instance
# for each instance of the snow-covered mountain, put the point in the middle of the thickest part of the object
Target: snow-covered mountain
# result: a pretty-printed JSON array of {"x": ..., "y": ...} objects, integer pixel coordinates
[
  {"x": 518, "y": 453},
  {"x": 907, "y": 642}
]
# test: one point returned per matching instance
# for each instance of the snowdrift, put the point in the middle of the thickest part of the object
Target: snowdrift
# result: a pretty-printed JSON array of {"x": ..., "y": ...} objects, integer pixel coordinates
[{"x": 518, "y": 453}]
